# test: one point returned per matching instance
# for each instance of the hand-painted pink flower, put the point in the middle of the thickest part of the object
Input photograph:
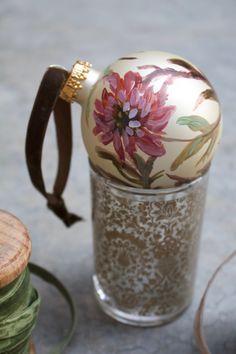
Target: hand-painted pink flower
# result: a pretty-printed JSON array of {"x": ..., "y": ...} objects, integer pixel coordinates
[{"x": 131, "y": 115}]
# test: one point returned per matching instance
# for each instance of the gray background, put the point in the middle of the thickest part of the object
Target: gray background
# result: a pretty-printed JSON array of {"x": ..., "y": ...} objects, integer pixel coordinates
[{"x": 34, "y": 34}]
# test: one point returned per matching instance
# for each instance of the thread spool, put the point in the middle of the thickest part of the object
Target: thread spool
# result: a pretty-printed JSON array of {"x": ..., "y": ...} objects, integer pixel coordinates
[{"x": 15, "y": 250}]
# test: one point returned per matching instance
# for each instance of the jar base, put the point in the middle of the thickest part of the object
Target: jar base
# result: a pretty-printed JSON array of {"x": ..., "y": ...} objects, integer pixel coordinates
[{"x": 108, "y": 308}]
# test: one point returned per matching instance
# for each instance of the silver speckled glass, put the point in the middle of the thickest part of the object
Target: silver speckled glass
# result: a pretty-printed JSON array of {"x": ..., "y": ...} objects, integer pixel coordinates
[{"x": 145, "y": 248}]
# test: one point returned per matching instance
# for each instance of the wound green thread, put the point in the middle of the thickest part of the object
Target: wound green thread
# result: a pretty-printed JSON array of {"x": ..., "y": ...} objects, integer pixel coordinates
[{"x": 19, "y": 307}]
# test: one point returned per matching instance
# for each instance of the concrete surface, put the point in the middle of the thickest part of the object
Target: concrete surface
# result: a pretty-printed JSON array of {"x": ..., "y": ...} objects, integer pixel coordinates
[{"x": 34, "y": 34}]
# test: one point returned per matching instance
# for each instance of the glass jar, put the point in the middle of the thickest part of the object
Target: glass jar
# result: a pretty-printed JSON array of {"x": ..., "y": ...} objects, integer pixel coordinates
[{"x": 145, "y": 248}]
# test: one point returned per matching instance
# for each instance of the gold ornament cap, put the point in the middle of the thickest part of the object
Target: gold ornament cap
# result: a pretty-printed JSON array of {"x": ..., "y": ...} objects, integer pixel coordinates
[{"x": 78, "y": 74}]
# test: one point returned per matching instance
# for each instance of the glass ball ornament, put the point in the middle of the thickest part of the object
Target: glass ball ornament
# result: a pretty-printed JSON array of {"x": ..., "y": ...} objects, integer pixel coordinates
[{"x": 150, "y": 120}]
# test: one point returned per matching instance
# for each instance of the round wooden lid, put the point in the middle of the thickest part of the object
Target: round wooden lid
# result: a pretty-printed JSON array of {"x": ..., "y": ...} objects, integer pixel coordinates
[{"x": 15, "y": 248}]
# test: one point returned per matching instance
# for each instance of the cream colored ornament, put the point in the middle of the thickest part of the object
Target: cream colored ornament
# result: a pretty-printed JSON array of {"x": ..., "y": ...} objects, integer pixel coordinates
[{"x": 150, "y": 120}]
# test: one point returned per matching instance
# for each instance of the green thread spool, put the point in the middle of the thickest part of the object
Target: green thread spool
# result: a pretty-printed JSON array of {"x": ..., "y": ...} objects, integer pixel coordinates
[
  {"x": 19, "y": 301},
  {"x": 19, "y": 306}
]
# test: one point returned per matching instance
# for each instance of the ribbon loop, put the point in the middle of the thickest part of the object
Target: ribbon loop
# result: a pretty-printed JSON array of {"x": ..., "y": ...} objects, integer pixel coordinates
[{"x": 46, "y": 102}]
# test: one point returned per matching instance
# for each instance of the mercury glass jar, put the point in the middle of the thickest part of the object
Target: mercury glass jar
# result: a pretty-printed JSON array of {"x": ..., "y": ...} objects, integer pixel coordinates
[{"x": 145, "y": 248}]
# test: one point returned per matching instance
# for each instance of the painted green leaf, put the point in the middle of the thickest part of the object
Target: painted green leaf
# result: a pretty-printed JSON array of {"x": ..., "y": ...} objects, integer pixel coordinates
[
  {"x": 145, "y": 168},
  {"x": 209, "y": 149},
  {"x": 195, "y": 123},
  {"x": 109, "y": 175},
  {"x": 157, "y": 175},
  {"x": 124, "y": 169},
  {"x": 149, "y": 165},
  {"x": 190, "y": 150},
  {"x": 147, "y": 171},
  {"x": 140, "y": 162}
]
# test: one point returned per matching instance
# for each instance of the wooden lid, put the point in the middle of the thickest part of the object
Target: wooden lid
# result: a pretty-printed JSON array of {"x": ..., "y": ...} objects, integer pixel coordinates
[{"x": 15, "y": 248}]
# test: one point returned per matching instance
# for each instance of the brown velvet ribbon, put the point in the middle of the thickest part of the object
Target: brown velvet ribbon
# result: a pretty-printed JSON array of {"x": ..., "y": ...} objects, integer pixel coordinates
[
  {"x": 198, "y": 327},
  {"x": 46, "y": 102}
]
